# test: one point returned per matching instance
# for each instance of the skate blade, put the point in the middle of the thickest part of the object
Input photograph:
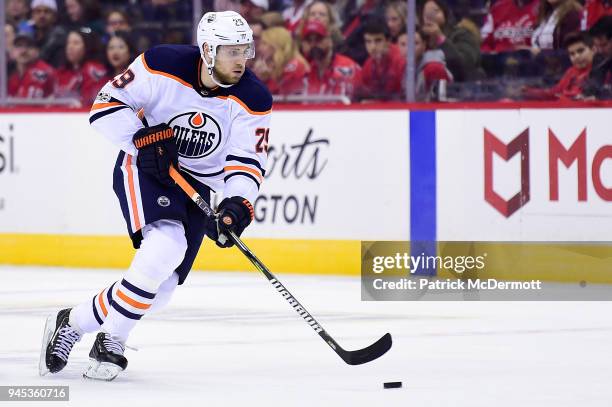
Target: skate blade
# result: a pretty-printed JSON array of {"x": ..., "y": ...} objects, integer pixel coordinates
[
  {"x": 101, "y": 371},
  {"x": 47, "y": 335}
]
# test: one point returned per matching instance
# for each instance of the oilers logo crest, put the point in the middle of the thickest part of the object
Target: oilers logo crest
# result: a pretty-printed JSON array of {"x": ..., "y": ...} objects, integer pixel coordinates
[{"x": 197, "y": 134}]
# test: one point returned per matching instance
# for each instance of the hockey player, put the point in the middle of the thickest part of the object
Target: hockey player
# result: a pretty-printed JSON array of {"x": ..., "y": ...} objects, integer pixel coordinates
[{"x": 202, "y": 110}]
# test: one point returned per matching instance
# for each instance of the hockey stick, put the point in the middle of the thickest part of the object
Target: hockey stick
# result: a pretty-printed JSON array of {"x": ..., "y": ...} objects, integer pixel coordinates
[{"x": 355, "y": 357}]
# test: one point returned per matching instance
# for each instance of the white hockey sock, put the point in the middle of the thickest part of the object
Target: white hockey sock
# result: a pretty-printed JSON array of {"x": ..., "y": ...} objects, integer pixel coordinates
[
  {"x": 162, "y": 250},
  {"x": 89, "y": 315}
]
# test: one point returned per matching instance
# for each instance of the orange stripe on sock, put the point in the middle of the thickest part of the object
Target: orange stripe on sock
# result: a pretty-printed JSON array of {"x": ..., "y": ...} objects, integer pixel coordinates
[
  {"x": 101, "y": 302},
  {"x": 133, "y": 303}
]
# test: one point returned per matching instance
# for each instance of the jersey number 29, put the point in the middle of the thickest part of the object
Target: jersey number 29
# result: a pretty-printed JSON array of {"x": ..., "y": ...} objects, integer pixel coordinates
[
  {"x": 262, "y": 143},
  {"x": 122, "y": 80}
]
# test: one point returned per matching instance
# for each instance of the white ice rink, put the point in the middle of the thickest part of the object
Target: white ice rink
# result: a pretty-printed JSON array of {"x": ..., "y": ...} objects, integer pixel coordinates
[{"x": 229, "y": 339}]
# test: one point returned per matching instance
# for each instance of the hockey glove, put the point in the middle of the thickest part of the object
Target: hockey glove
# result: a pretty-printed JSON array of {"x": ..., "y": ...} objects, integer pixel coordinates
[
  {"x": 235, "y": 214},
  {"x": 156, "y": 152}
]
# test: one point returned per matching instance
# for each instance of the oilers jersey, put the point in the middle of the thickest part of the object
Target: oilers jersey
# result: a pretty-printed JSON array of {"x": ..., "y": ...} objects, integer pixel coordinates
[{"x": 221, "y": 133}]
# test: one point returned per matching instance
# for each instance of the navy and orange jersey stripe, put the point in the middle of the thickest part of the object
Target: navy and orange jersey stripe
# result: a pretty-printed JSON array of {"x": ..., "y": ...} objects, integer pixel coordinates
[
  {"x": 99, "y": 110},
  {"x": 183, "y": 63},
  {"x": 244, "y": 166}
]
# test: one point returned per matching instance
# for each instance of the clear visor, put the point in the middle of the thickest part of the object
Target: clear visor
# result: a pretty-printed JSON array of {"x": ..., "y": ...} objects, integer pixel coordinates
[{"x": 239, "y": 51}]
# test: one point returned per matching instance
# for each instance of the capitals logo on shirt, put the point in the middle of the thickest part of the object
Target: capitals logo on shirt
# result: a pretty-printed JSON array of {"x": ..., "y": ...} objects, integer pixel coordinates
[{"x": 197, "y": 134}]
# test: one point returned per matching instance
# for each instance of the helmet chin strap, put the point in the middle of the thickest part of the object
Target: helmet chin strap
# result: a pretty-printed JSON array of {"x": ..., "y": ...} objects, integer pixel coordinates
[{"x": 211, "y": 73}]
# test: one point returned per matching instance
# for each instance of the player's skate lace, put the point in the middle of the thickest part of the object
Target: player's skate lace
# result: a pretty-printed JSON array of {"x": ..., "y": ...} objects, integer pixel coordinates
[
  {"x": 113, "y": 345},
  {"x": 66, "y": 338}
]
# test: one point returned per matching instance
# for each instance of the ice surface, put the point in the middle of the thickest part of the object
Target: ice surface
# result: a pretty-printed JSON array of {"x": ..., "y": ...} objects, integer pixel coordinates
[{"x": 229, "y": 339}]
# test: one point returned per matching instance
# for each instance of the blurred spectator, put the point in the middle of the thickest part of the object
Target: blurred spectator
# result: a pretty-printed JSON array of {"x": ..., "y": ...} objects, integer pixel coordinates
[
  {"x": 294, "y": 13},
  {"x": 84, "y": 13},
  {"x": 402, "y": 44},
  {"x": 331, "y": 73},
  {"x": 599, "y": 84},
  {"x": 601, "y": 32},
  {"x": 430, "y": 66},
  {"x": 48, "y": 34},
  {"x": 9, "y": 36},
  {"x": 81, "y": 76},
  {"x": 580, "y": 49},
  {"x": 593, "y": 11},
  {"x": 395, "y": 16},
  {"x": 117, "y": 20},
  {"x": 384, "y": 70},
  {"x": 253, "y": 9},
  {"x": 226, "y": 5},
  {"x": 323, "y": 12},
  {"x": 556, "y": 19},
  {"x": 509, "y": 26},
  {"x": 279, "y": 64},
  {"x": 17, "y": 12},
  {"x": 461, "y": 48},
  {"x": 352, "y": 31},
  {"x": 119, "y": 53},
  {"x": 32, "y": 78},
  {"x": 272, "y": 19}
]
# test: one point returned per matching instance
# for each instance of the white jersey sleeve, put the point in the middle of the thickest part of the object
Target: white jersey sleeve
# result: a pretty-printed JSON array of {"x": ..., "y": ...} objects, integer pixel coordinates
[
  {"x": 248, "y": 152},
  {"x": 113, "y": 113},
  {"x": 246, "y": 160}
]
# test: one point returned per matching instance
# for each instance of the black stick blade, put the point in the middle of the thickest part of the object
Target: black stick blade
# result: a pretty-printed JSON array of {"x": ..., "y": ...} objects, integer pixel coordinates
[{"x": 365, "y": 355}]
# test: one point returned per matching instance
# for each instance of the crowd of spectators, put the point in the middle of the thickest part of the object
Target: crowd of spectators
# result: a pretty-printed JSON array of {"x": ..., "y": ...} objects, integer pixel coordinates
[{"x": 351, "y": 49}]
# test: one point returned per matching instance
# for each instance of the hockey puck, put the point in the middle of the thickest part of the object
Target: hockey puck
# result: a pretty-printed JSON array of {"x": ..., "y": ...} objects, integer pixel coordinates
[{"x": 392, "y": 385}]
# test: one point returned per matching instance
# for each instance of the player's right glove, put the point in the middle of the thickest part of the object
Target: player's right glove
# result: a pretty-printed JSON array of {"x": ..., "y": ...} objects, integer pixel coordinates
[
  {"x": 234, "y": 214},
  {"x": 156, "y": 152}
]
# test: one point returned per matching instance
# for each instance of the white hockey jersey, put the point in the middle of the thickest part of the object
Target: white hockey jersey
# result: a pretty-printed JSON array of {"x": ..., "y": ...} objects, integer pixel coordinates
[{"x": 221, "y": 134}]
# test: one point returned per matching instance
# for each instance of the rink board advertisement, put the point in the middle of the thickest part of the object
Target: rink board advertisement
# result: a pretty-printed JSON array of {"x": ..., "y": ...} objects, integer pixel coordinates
[
  {"x": 538, "y": 180},
  {"x": 530, "y": 188},
  {"x": 327, "y": 182}
]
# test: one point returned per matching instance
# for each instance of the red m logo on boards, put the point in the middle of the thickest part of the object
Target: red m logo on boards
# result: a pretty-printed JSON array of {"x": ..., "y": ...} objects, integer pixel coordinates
[
  {"x": 492, "y": 145},
  {"x": 575, "y": 153}
]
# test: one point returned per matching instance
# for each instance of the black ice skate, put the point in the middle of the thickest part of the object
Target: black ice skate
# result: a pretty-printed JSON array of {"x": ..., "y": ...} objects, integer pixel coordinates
[
  {"x": 58, "y": 339},
  {"x": 106, "y": 358}
]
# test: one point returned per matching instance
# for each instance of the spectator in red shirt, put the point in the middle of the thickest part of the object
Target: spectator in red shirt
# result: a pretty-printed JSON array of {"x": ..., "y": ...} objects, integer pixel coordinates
[
  {"x": 581, "y": 52},
  {"x": 33, "y": 78},
  {"x": 293, "y": 14},
  {"x": 279, "y": 64},
  {"x": 383, "y": 71},
  {"x": 323, "y": 12},
  {"x": 81, "y": 76},
  {"x": 331, "y": 73},
  {"x": 509, "y": 26}
]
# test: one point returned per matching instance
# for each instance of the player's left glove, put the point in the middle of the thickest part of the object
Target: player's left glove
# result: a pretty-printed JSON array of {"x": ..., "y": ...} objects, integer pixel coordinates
[
  {"x": 156, "y": 152},
  {"x": 234, "y": 214}
]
